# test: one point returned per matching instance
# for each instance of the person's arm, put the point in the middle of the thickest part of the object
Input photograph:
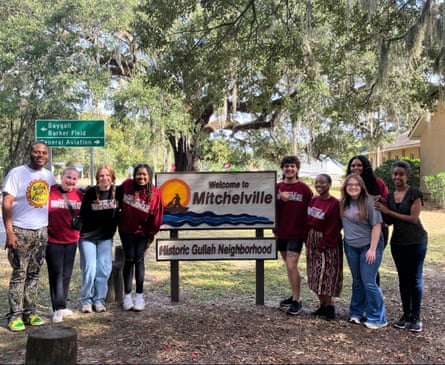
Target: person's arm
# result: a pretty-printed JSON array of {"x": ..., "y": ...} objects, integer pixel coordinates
[
  {"x": 375, "y": 237},
  {"x": 412, "y": 217},
  {"x": 11, "y": 238}
]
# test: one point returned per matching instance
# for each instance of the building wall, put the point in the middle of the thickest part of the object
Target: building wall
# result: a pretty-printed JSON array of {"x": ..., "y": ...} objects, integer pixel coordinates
[
  {"x": 396, "y": 154},
  {"x": 431, "y": 131}
]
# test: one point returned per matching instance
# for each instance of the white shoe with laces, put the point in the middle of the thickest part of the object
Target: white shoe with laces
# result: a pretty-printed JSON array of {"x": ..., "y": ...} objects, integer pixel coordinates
[
  {"x": 66, "y": 312},
  {"x": 128, "y": 302},
  {"x": 58, "y": 316},
  {"x": 139, "y": 303}
]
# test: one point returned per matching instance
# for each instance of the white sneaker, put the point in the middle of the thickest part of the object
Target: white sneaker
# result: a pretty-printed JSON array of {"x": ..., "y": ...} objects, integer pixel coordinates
[
  {"x": 58, "y": 316},
  {"x": 87, "y": 308},
  {"x": 128, "y": 302},
  {"x": 100, "y": 308},
  {"x": 66, "y": 312},
  {"x": 139, "y": 303}
]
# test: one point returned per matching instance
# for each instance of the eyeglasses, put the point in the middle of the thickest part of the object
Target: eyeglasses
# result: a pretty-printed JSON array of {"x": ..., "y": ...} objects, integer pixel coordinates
[{"x": 350, "y": 185}]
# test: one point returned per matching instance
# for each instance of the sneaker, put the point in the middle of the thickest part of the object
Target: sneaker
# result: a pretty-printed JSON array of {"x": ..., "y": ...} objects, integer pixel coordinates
[
  {"x": 58, "y": 316},
  {"x": 320, "y": 312},
  {"x": 295, "y": 308},
  {"x": 66, "y": 312},
  {"x": 16, "y": 325},
  {"x": 403, "y": 322},
  {"x": 99, "y": 308},
  {"x": 33, "y": 320},
  {"x": 285, "y": 303},
  {"x": 415, "y": 325},
  {"x": 87, "y": 308},
  {"x": 375, "y": 326},
  {"x": 139, "y": 303},
  {"x": 128, "y": 302},
  {"x": 354, "y": 319},
  {"x": 330, "y": 313}
]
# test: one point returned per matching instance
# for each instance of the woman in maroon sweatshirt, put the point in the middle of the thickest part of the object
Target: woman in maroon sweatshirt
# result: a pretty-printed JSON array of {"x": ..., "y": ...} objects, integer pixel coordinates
[{"x": 139, "y": 220}]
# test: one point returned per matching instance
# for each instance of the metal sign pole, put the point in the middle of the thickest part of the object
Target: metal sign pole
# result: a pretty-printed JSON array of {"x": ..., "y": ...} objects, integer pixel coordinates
[{"x": 92, "y": 166}]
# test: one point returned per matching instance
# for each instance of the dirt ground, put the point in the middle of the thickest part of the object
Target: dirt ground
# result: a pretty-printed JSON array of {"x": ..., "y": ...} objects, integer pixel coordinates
[{"x": 237, "y": 331}]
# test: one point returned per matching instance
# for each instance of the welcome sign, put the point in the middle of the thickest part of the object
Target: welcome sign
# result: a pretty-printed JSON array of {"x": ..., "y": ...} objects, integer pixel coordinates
[{"x": 207, "y": 200}]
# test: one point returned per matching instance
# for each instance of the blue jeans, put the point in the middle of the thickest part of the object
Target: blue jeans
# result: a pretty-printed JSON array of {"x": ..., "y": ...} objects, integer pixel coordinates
[
  {"x": 96, "y": 262},
  {"x": 367, "y": 297},
  {"x": 409, "y": 261}
]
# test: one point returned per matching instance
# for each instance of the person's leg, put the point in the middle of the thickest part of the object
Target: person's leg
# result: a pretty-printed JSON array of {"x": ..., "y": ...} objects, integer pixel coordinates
[
  {"x": 18, "y": 258},
  {"x": 402, "y": 263},
  {"x": 375, "y": 307},
  {"x": 128, "y": 246},
  {"x": 104, "y": 266},
  {"x": 385, "y": 233},
  {"x": 88, "y": 253},
  {"x": 358, "y": 298},
  {"x": 139, "y": 262},
  {"x": 36, "y": 258},
  {"x": 69, "y": 256},
  {"x": 417, "y": 256},
  {"x": 54, "y": 262}
]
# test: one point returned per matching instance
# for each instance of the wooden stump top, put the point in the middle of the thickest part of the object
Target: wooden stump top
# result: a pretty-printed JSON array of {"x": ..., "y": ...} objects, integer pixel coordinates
[{"x": 53, "y": 332}]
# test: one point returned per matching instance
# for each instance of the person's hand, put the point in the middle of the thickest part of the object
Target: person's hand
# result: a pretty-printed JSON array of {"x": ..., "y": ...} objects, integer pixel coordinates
[
  {"x": 11, "y": 240},
  {"x": 381, "y": 207},
  {"x": 283, "y": 195},
  {"x": 370, "y": 256},
  {"x": 148, "y": 244}
]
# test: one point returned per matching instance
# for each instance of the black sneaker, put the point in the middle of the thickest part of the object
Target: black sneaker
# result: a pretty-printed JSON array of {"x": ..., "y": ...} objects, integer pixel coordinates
[
  {"x": 415, "y": 325},
  {"x": 403, "y": 322},
  {"x": 295, "y": 308},
  {"x": 330, "y": 313},
  {"x": 285, "y": 303},
  {"x": 320, "y": 312}
]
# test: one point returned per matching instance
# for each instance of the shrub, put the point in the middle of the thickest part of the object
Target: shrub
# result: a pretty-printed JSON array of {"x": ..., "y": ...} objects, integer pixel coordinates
[
  {"x": 436, "y": 186},
  {"x": 384, "y": 172}
]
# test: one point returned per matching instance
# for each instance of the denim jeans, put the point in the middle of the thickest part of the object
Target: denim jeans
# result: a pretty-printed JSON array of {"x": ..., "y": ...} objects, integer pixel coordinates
[
  {"x": 367, "y": 297},
  {"x": 96, "y": 262},
  {"x": 409, "y": 261}
]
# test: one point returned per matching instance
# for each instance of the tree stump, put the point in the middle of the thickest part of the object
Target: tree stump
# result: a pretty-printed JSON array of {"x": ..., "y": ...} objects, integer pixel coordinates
[
  {"x": 116, "y": 280},
  {"x": 52, "y": 345}
]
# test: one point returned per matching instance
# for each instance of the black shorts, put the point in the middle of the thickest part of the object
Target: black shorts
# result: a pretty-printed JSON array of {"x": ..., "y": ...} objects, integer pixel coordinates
[{"x": 290, "y": 245}]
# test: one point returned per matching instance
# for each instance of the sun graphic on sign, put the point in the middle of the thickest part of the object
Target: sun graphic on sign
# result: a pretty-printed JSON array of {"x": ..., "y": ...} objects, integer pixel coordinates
[{"x": 175, "y": 193}]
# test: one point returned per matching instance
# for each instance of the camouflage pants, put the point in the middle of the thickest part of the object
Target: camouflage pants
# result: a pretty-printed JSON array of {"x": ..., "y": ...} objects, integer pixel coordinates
[{"x": 26, "y": 260}]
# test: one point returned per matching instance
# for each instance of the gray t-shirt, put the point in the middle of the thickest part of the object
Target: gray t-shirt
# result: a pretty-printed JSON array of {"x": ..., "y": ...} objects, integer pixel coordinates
[{"x": 357, "y": 231}]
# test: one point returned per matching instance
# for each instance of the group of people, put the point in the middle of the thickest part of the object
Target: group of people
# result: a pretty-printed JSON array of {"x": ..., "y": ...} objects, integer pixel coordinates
[
  {"x": 38, "y": 217},
  {"x": 356, "y": 224}
]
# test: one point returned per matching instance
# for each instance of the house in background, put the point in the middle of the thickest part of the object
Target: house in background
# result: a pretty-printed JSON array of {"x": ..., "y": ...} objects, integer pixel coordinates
[
  {"x": 425, "y": 141},
  {"x": 311, "y": 167},
  {"x": 403, "y": 146}
]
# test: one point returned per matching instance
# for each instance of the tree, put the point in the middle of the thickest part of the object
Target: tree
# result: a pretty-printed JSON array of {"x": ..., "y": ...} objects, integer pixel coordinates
[
  {"x": 309, "y": 64},
  {"x": 55, "y": 61}
]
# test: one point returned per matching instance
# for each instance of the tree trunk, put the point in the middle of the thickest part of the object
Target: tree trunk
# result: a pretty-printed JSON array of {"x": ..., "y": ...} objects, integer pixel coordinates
[
  {"x": 52, "y": 345},
  {"x": 185, "y": 153}
]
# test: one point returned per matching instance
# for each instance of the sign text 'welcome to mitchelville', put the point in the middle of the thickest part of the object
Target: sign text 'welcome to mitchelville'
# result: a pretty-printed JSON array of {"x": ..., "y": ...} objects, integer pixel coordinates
[{"x": 218, "y": 200}]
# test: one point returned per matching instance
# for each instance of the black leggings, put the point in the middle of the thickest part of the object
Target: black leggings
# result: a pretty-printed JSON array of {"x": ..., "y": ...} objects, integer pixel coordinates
[
  {"x": 60, "y": 261},
  {"x": 134, "y": 249}
]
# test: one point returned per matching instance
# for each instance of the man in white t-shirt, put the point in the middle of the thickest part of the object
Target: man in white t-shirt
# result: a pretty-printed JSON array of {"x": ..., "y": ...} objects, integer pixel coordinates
[{"x": 25, "y": 216}]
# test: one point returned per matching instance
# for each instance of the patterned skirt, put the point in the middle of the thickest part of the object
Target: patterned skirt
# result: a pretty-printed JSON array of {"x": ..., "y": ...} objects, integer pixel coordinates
[{"x": 325, "y": 272}]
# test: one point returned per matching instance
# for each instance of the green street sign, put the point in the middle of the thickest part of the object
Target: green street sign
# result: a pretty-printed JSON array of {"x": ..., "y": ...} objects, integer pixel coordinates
[{"x": 71, "y": 133}]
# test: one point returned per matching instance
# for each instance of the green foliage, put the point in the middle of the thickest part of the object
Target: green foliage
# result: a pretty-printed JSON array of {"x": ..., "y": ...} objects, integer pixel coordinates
[
  {"x": 436, "y": 186},
  {"x": 384, "y": 172}
]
